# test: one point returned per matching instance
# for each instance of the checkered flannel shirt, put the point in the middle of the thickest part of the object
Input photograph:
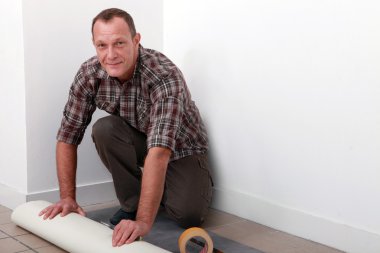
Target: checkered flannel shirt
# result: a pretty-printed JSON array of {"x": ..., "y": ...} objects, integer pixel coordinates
[{"x": 156, "y": 101}]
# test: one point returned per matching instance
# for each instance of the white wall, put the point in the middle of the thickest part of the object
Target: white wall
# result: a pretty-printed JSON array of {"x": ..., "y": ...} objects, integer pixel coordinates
[
  {"x": 55, "y": 37},
  {"x": 291, "y": 97},
  {"x": 12, "y": 102},
  {"x": 288, "y": 89},
  {"x": 57, "y": 40}
]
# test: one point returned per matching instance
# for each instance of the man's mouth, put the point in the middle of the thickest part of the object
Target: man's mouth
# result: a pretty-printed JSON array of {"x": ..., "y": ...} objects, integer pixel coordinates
[{"x": 113, "y": 64}]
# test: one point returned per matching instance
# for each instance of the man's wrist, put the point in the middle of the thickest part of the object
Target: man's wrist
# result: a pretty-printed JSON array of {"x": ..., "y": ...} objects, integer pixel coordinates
[
  {"x": 148, "y": 222},
  {"x": 67, "y": 197}
]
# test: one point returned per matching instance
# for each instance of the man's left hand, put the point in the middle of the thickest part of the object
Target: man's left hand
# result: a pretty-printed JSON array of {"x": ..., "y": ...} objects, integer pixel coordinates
[{"x": 128, "y": 231}]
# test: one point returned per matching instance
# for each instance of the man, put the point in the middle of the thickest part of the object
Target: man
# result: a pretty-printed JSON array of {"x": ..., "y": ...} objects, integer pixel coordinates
[{"x": 153, "y": 124}]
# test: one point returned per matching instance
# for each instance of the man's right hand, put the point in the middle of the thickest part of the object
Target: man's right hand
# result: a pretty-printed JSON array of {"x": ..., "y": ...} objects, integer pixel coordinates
[{"x": 64, "y": 207}]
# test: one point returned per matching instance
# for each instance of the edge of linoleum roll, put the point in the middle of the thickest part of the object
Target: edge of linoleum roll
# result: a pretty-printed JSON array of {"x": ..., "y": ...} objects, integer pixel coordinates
[{"x": 74, "y": 233}]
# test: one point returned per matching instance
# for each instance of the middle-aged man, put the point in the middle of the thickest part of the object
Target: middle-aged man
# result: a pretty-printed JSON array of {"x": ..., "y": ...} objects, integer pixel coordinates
[{"x": 153, "y": 124}]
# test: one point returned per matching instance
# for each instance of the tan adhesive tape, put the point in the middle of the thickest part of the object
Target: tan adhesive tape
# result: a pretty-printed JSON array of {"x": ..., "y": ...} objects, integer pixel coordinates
[{"x": 192, "y": 233}]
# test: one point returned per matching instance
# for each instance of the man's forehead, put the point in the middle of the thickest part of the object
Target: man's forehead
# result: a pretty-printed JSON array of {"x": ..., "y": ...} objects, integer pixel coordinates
[
  {"x": 109, "y": 37},
  {"x": 111, "y": 30}
]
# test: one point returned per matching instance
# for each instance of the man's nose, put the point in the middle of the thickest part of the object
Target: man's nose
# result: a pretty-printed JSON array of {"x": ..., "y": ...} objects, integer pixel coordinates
[{"x": 111, "y": 53}]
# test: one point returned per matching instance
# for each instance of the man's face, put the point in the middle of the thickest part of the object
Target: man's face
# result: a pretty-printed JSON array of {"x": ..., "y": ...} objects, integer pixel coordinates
[{"x": 117, "y": 51}]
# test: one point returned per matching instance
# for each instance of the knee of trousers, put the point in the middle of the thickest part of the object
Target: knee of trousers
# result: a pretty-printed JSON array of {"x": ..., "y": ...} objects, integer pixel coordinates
[
  {"x": 190, "y": 216},
  {"x": 105, "y": 128}
]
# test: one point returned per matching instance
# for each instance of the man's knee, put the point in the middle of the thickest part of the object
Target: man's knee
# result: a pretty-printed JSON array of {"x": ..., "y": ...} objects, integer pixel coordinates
[
  {"x": 104, "y": 127},
  {"x": 188, "y": 216}
]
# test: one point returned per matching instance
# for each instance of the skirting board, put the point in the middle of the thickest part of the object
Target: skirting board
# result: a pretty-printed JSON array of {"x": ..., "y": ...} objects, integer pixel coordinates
[
  {"x": 319, "y": 229},
  {"x": 10, "y": 197},
  {"x": 86, "y": 195}
]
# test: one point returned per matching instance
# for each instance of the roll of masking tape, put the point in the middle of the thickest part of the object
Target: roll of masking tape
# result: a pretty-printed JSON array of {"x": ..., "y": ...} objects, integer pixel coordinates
[
  {"x": 192, "y": 235},
  {"x": 74, "y": 233}
]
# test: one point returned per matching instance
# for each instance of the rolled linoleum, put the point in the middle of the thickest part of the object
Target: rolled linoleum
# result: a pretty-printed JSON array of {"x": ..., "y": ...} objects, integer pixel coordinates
[{"x": 74, "y": 233}]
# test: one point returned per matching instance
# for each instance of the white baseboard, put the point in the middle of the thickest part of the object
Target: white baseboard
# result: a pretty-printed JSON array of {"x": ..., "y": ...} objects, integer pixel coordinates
[
  {"x": 86, "y": 195},
  {"x": 10, "y": 197},
  {"x": 319, "y": 229}
]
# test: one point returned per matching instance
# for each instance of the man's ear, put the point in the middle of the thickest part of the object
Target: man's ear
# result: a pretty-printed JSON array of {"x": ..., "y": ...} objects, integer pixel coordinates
[{"x": 137, "y": 38}]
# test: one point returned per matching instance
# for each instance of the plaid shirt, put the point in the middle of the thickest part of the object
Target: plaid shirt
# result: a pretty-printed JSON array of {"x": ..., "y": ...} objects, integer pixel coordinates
[{"x": 155, "y": 101}]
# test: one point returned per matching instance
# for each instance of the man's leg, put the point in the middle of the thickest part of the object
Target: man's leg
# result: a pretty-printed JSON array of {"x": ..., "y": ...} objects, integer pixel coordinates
[
  {"x": 188, "y": 190},
  {"x": 122, "y": 149}
]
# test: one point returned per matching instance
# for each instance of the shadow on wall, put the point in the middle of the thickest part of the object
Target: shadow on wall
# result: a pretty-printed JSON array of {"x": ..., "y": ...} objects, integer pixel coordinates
[
  {"x": 212, "y": 156},
  {"x": 204, "y": 72}
]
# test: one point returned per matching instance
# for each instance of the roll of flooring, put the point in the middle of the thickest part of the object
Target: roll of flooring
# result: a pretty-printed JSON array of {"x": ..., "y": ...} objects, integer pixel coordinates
[
  {"x": 74, "y": 233},
  {"x": 196, "y": 236}
]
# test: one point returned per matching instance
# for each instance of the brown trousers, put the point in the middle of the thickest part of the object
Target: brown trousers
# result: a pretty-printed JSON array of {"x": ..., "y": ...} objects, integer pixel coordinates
[{"x": 188, "y": 184}]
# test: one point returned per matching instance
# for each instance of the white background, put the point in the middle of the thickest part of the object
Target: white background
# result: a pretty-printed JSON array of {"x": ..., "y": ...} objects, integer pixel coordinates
[{"x": 289, "y": 91}]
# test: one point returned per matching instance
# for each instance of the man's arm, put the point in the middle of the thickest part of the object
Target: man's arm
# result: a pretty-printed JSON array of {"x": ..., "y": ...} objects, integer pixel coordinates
[
  {"x": 66, "y": 155},
  {"x": 153, "y": 182}
]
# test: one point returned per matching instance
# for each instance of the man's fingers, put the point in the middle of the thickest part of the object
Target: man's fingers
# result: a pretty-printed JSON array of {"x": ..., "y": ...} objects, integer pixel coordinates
[
  {"x": 116, "y": 235},
  {"x": 42, "y": 212},
  {"x": 132, "y": 237},
  {"x": 124, "y": 237},
  {"x": 47, "y": 212},
  {"x": 127, "y": 231},
  {"x": 63, "y": 207},
  {"x": 56, "y": 210},
  {"x": 80, "y": 211},
  {"x": 121, "y": 233}
]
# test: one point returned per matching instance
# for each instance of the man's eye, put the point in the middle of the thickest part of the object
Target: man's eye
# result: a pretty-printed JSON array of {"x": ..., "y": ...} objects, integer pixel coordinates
[{"x": 120, "y": 43}]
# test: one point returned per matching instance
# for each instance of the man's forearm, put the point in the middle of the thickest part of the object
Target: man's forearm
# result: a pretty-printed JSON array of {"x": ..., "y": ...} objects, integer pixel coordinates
[
  {"x": 153, "y": 182},
  {"x": 66, "y": 155}
]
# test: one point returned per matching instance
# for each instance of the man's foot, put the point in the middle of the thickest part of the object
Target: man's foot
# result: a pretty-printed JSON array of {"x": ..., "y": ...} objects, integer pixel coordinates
[{"x": 122, "y": 215}]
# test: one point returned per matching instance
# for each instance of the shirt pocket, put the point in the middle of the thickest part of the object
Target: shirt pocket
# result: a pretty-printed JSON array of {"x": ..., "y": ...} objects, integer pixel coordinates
[{"x": 104, "y": 103}]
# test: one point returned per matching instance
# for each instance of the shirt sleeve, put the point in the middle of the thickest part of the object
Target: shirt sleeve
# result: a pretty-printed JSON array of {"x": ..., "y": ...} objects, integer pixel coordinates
[
  {"x": 165, "y": 115},
  {"x": 77, "y": 112}
]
